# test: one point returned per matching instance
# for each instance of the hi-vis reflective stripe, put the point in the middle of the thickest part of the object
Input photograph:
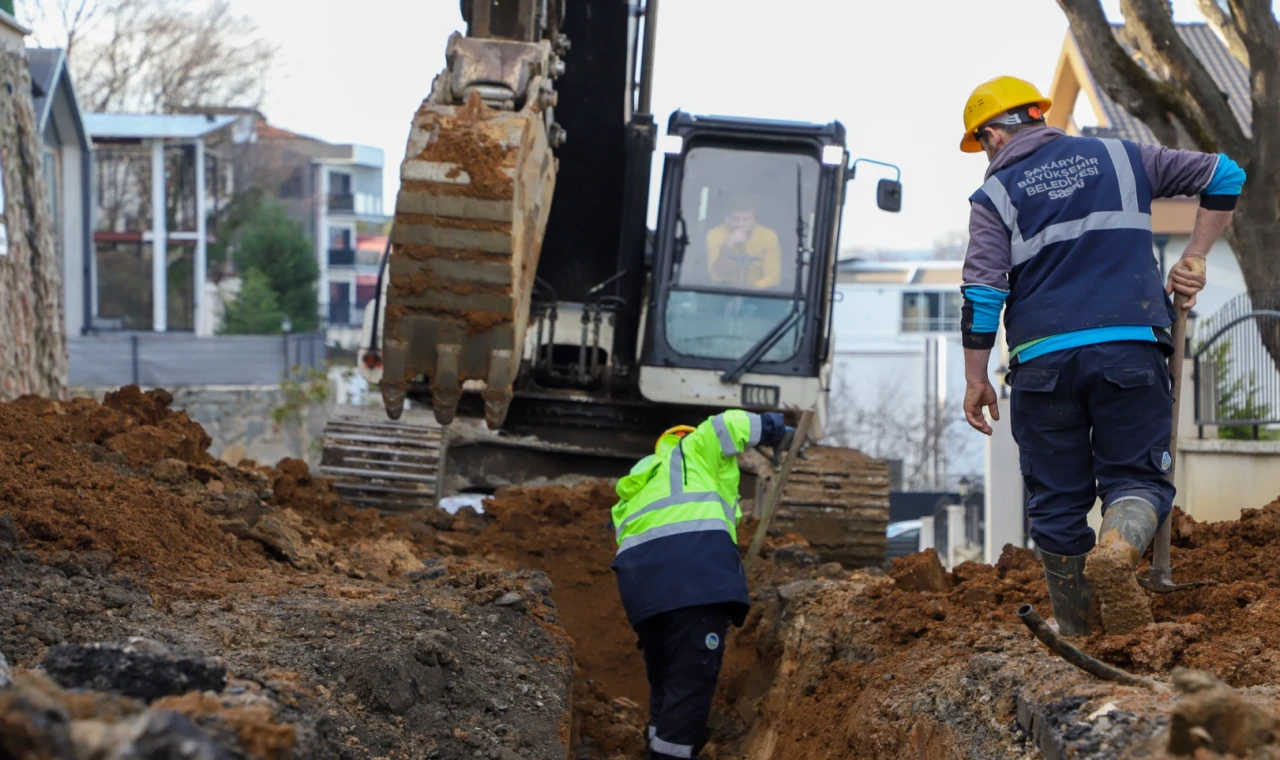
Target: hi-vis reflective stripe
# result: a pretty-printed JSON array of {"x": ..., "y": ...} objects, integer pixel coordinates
[
  {"x": 677, "y": 497},
  {"x": 674, "y": 529},
  {"x": 667, "y": 748},
  {"x": 676, "y": 500},
  {"x": 1064, "y": 231},
  {"x": 1128, "y": 218},
  {"x": 727, "y": 446}
]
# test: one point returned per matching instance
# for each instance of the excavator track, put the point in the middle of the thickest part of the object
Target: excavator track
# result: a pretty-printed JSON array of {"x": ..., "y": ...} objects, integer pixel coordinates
[
  {"x": 374, "y": 462},
  {"x": 838, "y": 499}
]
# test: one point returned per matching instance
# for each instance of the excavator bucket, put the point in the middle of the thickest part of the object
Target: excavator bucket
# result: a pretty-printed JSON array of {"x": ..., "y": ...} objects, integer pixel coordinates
[{"x": 475, "y": 191}]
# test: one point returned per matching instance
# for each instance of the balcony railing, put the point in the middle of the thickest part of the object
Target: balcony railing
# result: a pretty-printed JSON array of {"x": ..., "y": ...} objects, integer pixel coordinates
[
  {"x": 342, "y": 257},
  {"x": 342, "y": 202}
]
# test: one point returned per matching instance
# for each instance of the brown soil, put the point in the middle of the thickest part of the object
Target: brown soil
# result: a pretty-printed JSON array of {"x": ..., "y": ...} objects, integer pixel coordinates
[
  {"x": 455, "y": 223},
  {"x": 270, "y": 566},
  {"x": 566, "y": 534},
  {"x": 51, "y": 486},
  {"x": 114, "y": 522},
  {"x": 459, "y": 140}
]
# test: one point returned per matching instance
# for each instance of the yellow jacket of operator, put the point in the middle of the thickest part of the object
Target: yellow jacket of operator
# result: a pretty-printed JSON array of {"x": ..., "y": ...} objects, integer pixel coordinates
[{"x": 764, "y": 266}]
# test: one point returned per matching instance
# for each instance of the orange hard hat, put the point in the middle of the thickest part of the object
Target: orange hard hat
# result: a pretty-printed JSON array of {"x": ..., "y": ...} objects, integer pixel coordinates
[{"x": 679, "y": 431}]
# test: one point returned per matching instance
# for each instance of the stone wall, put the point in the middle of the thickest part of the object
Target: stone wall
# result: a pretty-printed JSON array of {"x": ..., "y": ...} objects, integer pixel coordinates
[
  {"x": 33, "y": 351},
  {"x": 241, "y": 424}
]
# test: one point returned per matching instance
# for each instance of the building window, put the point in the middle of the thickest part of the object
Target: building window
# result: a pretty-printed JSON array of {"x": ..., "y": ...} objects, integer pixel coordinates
[{"x": 931, "y": 312}]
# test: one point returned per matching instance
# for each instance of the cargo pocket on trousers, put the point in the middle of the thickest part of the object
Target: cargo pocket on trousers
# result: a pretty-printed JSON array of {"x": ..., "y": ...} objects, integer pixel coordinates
[
  {"x": 1034, "y": 400},
  {"x": 1128, "y": 378}
]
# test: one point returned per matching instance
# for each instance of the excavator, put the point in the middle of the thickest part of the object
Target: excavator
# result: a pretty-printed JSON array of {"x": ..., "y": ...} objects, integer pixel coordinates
[{"x": 527, "y": 323}]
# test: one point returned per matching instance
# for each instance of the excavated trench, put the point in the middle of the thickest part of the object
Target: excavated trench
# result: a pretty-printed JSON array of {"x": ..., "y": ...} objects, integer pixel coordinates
[
  {"x": 920, "y": 662},
  {"x": 280, "y": 622}
]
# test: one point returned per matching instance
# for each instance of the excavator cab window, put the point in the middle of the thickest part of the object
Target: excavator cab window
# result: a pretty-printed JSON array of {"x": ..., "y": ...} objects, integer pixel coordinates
[{"x": 747, "y": 239}]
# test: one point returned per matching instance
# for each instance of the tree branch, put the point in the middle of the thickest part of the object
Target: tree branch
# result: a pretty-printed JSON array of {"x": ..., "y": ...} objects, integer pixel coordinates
[
  {"x": 1225, "y": 23},
  {"x": 1261, "y": 35},
  {"x": 1114, "y": 69},
  {"x": 1197, "y": 100}
]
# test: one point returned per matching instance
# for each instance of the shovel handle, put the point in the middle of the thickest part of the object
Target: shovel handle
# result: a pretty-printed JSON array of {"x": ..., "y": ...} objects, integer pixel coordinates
[
  {"x": 1161, "y": 569},
  {"x": 775, "y": 493}
]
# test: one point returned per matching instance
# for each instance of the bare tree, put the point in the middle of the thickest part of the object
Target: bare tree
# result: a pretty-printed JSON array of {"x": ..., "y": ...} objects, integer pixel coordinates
[
  {"x": 61, "y": 22},
  {"x": 1178, "y": 99},
  {"x": 158, "y": 56},
  {"x": 880, "y": 425}
]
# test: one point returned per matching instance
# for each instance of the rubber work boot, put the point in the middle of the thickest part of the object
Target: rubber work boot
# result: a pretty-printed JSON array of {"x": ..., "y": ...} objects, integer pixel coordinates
[
  {"x": 1127, "y": 529},
  {"x": 1069, "y": 592}
]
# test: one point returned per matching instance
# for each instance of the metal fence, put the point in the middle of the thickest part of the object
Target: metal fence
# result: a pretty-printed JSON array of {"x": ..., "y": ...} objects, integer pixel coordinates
[
  {"x": 173, "y": 360},
  {"x": 1237, "y": 383}
]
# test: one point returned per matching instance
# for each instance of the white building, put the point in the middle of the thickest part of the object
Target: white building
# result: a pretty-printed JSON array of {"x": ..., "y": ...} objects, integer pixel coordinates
[
  {"x": 898, "y": 379},
  {"x": 348, "y": 209},
  {"x": 335, "y": 192}
]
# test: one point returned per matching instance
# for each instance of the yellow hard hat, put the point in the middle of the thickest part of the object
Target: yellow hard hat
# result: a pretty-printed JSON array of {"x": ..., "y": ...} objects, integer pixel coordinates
[
  {"x": 992, "y": 98},
  {"x": 680, "y": 431}
]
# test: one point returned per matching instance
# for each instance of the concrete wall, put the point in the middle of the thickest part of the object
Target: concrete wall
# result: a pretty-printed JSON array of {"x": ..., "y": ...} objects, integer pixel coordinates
[{"x": 1216, "y": 479}]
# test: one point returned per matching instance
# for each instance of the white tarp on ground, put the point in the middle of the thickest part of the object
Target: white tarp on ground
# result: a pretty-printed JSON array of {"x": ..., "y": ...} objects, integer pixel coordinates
[{"x": 452, "y": 504}]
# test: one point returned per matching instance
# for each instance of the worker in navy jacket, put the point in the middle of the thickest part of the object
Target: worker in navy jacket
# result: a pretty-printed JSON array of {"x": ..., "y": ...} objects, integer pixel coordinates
[{"x": 1060, "y": 239}]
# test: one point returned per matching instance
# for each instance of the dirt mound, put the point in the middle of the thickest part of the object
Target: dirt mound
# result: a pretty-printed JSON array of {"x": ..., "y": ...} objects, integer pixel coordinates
[
  {"x": 344, "y": 634},
  {"x": 922, "y": 660},
  {"x": 63, "y": 500},
  {"x": 1247, "y": 549},
  {"x": 139, "y": 426}
]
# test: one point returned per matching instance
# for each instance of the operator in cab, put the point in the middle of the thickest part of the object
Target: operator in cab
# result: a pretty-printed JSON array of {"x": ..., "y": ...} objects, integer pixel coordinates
[
  {"x": 679, "y": 571},
  {"x": 742, "y": 253}
]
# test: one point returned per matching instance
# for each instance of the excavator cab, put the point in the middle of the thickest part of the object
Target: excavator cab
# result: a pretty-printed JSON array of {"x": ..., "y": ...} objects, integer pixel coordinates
[{"x": 743, "y": 269}]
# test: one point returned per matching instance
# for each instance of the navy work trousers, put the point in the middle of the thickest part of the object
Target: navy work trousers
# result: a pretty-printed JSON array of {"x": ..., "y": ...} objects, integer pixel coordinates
[
  {"x": 683, "y": 652},
  {"x": 1089, "y": 422}
]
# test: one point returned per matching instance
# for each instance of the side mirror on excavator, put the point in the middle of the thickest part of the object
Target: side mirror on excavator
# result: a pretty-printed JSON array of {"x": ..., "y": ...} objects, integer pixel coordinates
[
  {"x": 888, "y": 191},
  {"x": 889, "y": 195}
]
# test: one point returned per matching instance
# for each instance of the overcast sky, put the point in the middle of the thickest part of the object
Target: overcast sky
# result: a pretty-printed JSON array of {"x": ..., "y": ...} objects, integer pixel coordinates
[{"x": 896, "y": 73}]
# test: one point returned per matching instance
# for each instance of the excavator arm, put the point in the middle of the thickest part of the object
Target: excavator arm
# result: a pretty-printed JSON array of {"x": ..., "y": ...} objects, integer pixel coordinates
[{"x": 476, "y": 185}]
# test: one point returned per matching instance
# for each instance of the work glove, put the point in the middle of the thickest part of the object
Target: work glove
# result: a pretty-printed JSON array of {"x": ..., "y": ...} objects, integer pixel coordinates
[{"x": 785, "y": 444}]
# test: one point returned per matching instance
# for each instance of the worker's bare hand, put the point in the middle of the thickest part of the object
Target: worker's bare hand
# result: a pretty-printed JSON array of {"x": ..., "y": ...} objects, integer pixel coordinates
[
  {"x": 1187, "y": 278},
  {"x": 738, "y": 237},
  {"x": 977, "y": 396}
]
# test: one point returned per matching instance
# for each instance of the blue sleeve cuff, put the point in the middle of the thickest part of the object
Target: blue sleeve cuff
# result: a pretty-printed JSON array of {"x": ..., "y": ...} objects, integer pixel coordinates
[
  {"x": 980, "y": 315},
  {"x": 1228, "y": 178},
  {"x": 986, "y": 303},
  {"x": 772, "y": 427}
]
